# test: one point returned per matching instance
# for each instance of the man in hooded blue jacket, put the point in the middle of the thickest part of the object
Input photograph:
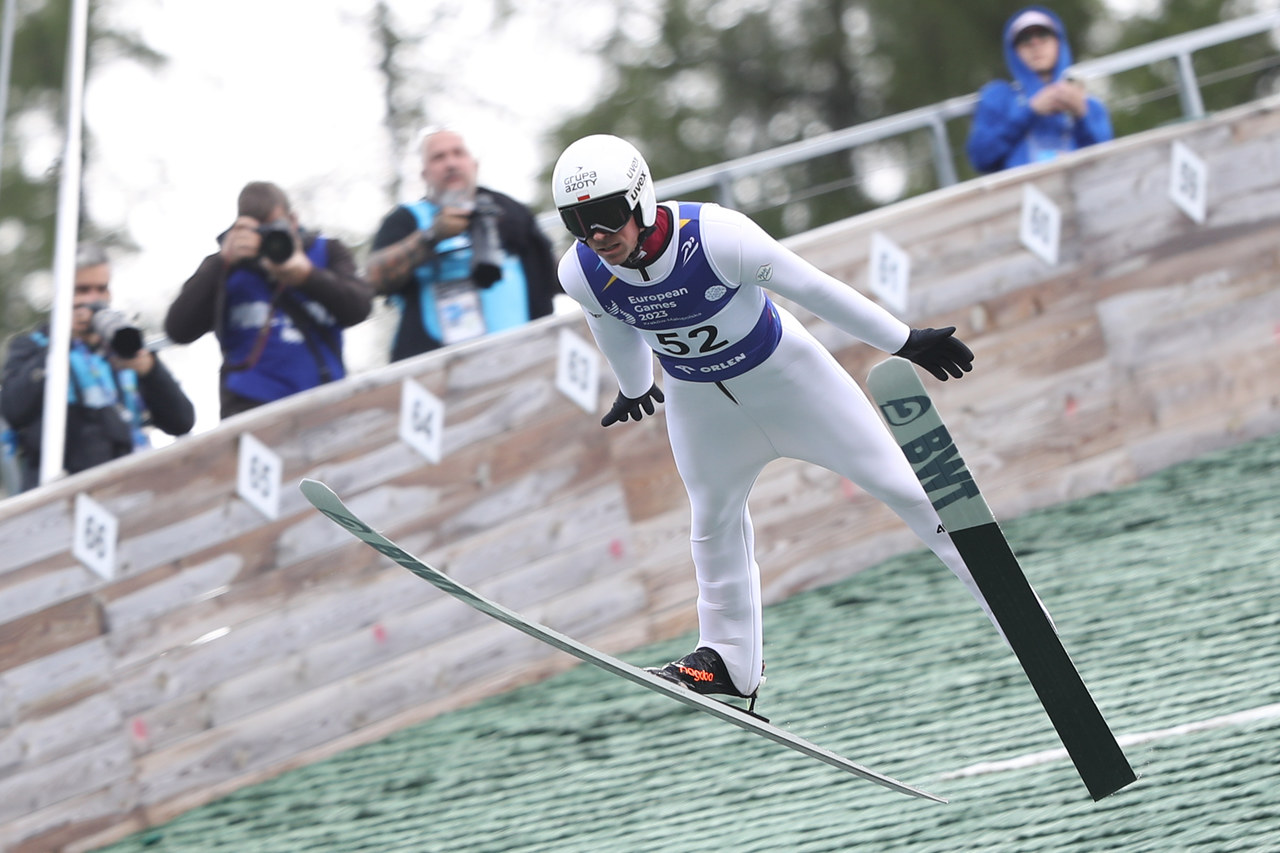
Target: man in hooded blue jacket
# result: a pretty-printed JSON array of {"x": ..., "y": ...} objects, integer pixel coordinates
[{"x": 1039, "y": 115}]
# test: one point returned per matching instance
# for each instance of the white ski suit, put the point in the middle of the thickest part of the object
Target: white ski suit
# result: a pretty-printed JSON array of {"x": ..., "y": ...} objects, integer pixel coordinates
[{"x": 746, "y": 384}]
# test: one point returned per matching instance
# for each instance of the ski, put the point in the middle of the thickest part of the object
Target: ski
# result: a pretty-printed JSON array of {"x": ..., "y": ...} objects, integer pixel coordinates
[
  {"x": 324, "y": 499},
  {"x": 920, "y": 432}
]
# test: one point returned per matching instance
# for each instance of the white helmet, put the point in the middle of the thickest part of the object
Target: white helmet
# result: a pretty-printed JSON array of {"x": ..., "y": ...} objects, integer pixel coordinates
[{"x": 599, "y": 182}]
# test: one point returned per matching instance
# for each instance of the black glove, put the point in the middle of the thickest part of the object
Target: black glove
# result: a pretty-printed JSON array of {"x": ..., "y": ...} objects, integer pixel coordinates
[
  {"x": 628, "y": 408},
  {"x": 938, "y": 352}
]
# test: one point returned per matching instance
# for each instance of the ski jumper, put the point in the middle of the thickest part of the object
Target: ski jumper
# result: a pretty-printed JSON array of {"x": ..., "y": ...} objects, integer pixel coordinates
[{"x": 746, "y": 384}]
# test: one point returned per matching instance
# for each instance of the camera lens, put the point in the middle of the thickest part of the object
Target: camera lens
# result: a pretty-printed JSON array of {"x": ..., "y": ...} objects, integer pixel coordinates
[
  {"x": 126, "y": 342},
  {"x": 277, "y": 242},
  {"x": 277, "y": 246},
  {"x": 486, "y": 245},
  {"x": 116, "y": 331}
]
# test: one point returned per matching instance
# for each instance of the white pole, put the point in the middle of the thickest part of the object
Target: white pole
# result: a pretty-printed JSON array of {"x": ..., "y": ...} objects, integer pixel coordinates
[
  {"x": 54, "y": 431},
  {"x": 6, "y": 65}
]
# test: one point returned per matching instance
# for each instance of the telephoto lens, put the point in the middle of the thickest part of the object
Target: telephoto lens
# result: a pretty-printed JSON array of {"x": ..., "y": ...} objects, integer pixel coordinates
[
  {"x": 116, "y": 331},
  {"x": 486, "y": 247}
]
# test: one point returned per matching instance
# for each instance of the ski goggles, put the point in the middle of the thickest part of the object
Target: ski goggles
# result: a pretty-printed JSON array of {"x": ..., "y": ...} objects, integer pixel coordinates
[{"x": 609, "y": 214}]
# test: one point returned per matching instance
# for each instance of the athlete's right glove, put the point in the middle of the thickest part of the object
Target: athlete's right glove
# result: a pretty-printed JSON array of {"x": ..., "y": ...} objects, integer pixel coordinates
[
  {"x": 938, "y": 352},
  {"x": 628, "y": 408}
]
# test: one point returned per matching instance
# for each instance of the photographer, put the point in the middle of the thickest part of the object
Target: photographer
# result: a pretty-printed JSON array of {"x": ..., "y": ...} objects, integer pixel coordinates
[
  {"x": 115, "y": 387},
  {"x": 462, "y": 262},
  {"x": 1041, "y": 113},
  {"x": 277, "y": 297}
]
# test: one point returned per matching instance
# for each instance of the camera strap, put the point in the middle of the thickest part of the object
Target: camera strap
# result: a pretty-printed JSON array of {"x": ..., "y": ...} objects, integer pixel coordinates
[
  {"x": 313, "y": 334},
  {"x": 259, "y": 343}
]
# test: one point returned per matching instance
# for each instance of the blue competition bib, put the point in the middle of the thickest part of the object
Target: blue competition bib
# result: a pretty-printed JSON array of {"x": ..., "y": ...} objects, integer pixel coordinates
[{"x": 702, "y": 328}]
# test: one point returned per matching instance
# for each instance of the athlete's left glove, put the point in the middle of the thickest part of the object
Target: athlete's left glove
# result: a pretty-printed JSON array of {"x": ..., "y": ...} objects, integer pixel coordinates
[
  {"x": 628, "y": 408},
  {"x": 938, "y": 352}
]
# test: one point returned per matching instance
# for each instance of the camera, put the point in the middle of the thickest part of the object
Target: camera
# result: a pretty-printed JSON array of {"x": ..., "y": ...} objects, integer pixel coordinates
[
  {"x": 486, "y": 247},
  {"x": 116, "y": 330},
  {"x": 277, "y": 241}
]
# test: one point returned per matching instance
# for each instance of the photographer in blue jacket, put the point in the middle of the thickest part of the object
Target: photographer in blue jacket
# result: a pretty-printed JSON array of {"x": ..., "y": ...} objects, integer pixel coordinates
[
  {"x": 1041, "y": 113},
  {"x": 278, "y": 298}
]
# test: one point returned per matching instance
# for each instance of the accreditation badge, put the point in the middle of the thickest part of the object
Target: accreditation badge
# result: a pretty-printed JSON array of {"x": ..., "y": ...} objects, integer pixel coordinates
[{"x": 459, "y": 312}]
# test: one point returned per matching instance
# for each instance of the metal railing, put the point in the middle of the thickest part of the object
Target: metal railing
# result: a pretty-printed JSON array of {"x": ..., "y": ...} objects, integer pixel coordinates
[
  {"x": 1178, "y": 48},
  {"x": 721, "y": 177}
]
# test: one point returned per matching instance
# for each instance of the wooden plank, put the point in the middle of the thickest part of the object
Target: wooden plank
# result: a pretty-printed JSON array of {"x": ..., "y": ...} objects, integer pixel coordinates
[
  {"x": 414, "y": 631},
  {"x": 198, "y": 536},
  {"x": 23, "y": 593},
  {"x": 74, "y": 824},
  {"x": 594, "y": 609},
  {"x": 302, "y": 556},
  {"x": 531, "y": 673},
  {"x": 271, "y": 737},
  {"x": 31, "y": 790},
  {"x": 254, "y": 643},
  {"x": 198, "y": 583},
  {"x": 40, "y": 740},
  {"x": 55, "y": 681},
  {"x": 1193, "y": 438},
  {"x": 48, "y": 631},
  {"x": 236, "y": 683},
  {"x": 560, "y": 528},
  {"x": 339, "y": 660},
  {"x": 844, "y": 559},
  {"x": 212, "y": 657},
  {"x": 30, "y": 533}
]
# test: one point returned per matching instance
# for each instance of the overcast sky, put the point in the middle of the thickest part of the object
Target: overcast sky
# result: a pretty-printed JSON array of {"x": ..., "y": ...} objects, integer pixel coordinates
[{"x": 286, "y": 91}]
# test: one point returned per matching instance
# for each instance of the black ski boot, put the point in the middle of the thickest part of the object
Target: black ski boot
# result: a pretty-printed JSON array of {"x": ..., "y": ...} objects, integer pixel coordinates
[{"x": 703, "y": 671}]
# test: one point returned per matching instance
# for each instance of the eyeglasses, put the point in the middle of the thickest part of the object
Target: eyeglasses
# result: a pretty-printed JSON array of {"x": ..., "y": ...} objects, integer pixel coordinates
[
  {"x": 609, "y": 214},
  {"x": 1033, "y": 33}
]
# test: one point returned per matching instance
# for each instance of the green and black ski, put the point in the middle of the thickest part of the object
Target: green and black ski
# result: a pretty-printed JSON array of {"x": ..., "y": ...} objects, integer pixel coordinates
[{"x": 923, "y": 437}]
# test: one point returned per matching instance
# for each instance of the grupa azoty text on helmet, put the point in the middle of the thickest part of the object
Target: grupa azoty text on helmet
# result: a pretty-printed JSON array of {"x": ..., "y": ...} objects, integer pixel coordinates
[{"x": 602, "y": 165}]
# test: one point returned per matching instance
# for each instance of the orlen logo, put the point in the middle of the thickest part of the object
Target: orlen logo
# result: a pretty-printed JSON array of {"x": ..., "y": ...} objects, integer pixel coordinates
[{"x": 581, "y": 181}]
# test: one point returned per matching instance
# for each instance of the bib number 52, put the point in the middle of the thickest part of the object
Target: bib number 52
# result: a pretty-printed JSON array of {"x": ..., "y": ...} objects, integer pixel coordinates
[{"x": 705, "y": 338}]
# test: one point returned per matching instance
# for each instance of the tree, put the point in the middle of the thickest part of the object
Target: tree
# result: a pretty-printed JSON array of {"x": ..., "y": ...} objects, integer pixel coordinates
[
  {"x": 697, "y": 82},
  {"x": 29, "y": 169},
  {"x": 1229, "y": 74},
  {"x": 705, "y": 82},
  {"x": 421, "y": 48}
]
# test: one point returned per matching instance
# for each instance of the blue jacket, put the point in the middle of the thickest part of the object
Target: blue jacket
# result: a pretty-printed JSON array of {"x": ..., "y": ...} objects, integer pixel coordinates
[
  {"x": 1006, "y": 132},
  {"x": 302, "y": 344},
  {"x": 504, "y": 304},
  {"x": 524, "y": 293}
]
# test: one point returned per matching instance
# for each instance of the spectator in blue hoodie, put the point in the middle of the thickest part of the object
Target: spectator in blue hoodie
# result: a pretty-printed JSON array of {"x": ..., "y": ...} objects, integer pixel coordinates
[{"x": 1040, "y": 114}]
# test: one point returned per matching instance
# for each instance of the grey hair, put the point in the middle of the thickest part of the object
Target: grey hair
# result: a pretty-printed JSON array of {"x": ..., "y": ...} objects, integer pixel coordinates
[
  {"x": 432, "y": 129},
  {"x": 90, "y": 255}
]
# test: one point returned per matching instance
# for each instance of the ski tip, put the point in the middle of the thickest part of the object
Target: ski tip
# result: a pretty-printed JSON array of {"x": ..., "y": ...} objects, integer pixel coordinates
[
  {"x": 922, "y": 794},
  {"x": 314, "y": 490},
  {"x": 892, "y": 364}
]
